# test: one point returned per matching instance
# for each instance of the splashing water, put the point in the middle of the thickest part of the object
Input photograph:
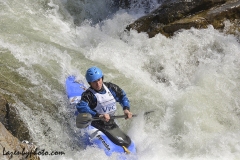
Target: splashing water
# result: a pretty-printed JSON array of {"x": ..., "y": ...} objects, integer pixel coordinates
[{"x": 192, "y": 80}]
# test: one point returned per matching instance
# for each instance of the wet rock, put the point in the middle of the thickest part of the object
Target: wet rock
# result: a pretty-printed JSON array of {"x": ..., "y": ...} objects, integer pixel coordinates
[
  {"x": 3, "y": 110},
  {"x": 229, "y": 11},
  {"x": 215, "y": 16},
  {"x": 12, "y": 148},
  {"x": 172, "y": 16},
  {"x": 10, "y": 144},
  {"x": 12, "y": 121}
]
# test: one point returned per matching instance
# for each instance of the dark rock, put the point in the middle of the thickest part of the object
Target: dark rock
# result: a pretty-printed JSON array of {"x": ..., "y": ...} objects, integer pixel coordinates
[
  {"x": 173, "y": 16},
  {"x": 3, "y": 110},
  {"x": 215, "y": 16},
  {"x": 9, "y": 143},
  {"x": 12, "y": 121},
  {"x": 230, "y": 11}
]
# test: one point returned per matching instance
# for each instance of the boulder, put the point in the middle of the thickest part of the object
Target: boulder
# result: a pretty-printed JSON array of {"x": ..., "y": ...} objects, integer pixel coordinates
[
  {"x": 13, "y": 149},
  {"x": 172, "y": 16},
  {"x": 10, "y": 118},
  {"x": 3, "y": 110}
]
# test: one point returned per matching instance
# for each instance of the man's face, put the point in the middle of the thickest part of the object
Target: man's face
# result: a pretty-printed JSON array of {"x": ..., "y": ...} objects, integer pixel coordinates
[{"x": 97, "y": 85}]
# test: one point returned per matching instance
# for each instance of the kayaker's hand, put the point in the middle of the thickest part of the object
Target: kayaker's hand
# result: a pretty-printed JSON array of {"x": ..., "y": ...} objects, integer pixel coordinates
[
  {"x": 128, "y": 114},
  {"x": 104, "y": 117}
]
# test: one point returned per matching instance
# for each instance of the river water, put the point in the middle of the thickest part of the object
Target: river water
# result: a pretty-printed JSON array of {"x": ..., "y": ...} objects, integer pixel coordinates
[{"x": 191, "y": 80}]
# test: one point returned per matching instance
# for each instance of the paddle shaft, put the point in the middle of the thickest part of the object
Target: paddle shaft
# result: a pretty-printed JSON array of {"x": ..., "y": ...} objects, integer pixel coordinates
[
  {"x": 85, "y": 119},
  {"x": 121, "y": 116},
  {"x": 113, "y": 117}
]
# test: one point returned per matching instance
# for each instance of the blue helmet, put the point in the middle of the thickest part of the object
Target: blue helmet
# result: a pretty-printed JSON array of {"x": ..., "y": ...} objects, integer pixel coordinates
[{"x": 93, "y": 74}]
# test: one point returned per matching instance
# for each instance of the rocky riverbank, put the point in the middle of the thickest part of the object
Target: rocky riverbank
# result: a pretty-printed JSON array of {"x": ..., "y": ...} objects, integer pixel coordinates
[{"x": 12, "y": 129}]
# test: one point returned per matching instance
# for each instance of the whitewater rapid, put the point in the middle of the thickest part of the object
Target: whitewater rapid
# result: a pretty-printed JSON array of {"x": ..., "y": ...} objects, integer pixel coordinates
[{"x": 191, "y": 80}]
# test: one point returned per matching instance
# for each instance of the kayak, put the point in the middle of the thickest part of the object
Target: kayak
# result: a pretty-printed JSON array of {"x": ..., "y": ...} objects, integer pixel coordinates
[{"x": 110, "y": 138}]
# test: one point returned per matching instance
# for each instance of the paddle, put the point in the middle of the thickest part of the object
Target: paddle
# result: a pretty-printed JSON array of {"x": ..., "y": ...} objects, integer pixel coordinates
[{"x": 84, "y": 119}]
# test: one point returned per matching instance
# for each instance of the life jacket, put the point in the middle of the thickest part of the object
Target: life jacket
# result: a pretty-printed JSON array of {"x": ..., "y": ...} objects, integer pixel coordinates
[{"x": 106, "y": 103}]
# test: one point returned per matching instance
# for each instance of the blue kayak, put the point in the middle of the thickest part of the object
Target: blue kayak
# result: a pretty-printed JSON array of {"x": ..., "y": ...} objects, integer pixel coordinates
[{"x": 109, "y": 137}]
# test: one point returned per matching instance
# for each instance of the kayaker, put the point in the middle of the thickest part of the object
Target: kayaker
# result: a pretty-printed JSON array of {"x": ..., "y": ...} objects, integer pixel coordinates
[{"x": 100, "y": 98}]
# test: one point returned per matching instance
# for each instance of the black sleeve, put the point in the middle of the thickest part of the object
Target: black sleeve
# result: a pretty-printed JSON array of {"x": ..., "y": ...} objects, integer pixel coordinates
[
  {"x": 115, "y": 88},
  {"x": 119, "y": 95},
  {"x": 89, "y": 97}
]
